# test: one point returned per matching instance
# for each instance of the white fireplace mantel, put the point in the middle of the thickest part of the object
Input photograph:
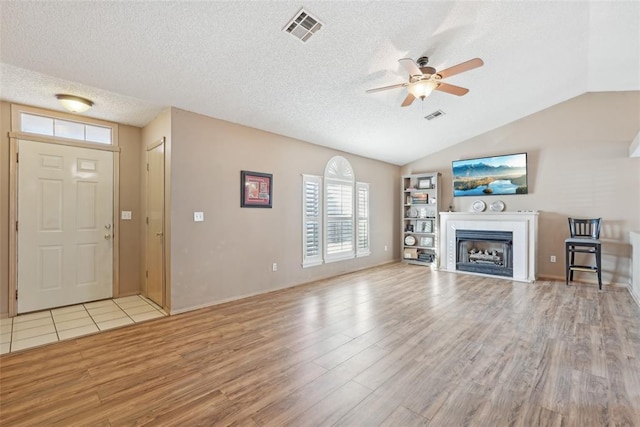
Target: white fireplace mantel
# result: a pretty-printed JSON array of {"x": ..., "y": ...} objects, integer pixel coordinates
[{"x": 523, "y": 225}]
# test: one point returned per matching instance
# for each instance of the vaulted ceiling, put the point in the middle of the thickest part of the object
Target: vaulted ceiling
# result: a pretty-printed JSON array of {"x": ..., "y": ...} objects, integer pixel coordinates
[{"x": 233, "y": 61}]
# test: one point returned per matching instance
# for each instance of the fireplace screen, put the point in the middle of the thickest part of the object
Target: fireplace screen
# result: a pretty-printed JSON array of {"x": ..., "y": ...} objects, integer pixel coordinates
[{"x": 485, "y": 251}]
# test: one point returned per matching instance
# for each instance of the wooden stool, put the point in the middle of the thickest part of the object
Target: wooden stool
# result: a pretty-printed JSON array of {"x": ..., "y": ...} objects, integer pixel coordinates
[{"x": 585, "y": 238}]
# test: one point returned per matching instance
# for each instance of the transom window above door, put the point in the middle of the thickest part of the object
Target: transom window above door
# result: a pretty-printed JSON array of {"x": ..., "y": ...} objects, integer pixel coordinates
[{"x": 60, "y": 128}]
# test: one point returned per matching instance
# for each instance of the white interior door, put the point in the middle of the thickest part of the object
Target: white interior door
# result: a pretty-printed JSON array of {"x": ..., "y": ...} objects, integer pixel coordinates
[{"x": 65, "y": 218}]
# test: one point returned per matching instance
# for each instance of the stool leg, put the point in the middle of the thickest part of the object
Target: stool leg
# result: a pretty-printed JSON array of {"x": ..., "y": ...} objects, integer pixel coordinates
[
  {"x": 572, "y": 262},
  {"x": 566, "y": 264},
  {"x": 598, "y": 266}
]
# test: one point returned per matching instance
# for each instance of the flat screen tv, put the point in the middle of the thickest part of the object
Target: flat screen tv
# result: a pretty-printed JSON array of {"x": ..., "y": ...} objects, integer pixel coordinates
[{"x": 490, "y": 176}]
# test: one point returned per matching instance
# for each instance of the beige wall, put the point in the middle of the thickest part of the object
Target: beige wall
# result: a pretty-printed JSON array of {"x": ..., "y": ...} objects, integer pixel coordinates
[
  {"x": 129, "y": 191},
  {"x": 230, "y": 254},
  {"x": 129, "y": 138},
  {"x": 579, "y": 166},
  {"x": 5, "y": 127}
]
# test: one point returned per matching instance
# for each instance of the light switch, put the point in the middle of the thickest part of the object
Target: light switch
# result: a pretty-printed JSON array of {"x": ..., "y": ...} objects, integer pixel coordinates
[
  {"x": 126, "y": 215},
  {"x": 198, "y": 216}
]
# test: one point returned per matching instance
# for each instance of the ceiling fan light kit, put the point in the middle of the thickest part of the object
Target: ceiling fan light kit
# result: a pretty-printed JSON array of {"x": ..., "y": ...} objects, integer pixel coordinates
[
  {"x": 424, "y": 79},
  {"x": 422, "y": 88}
]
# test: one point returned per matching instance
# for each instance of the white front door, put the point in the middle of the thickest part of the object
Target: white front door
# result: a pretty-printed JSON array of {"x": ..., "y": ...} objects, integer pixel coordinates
[{"x": 65, "y": 225}]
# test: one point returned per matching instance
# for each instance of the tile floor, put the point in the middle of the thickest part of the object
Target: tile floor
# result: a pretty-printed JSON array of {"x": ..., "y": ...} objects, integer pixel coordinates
[{"x": 44, "y": 327}]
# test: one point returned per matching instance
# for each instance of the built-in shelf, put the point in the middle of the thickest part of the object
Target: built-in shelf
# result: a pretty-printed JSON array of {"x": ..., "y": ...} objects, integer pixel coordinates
[{"x": 420, "y": 220}]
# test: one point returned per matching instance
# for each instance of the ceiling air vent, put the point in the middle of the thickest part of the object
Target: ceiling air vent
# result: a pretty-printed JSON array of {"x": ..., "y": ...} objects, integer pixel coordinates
[
  {"x": 434, "y": 115},
  {"x": 303, "y": 26}
]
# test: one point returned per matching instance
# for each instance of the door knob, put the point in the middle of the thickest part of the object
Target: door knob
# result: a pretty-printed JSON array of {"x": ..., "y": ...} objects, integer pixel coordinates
[
  {"x": 107, "y": 236},
  {"x": 159, "y": 233},
  {"x": 107, "y": 226}
]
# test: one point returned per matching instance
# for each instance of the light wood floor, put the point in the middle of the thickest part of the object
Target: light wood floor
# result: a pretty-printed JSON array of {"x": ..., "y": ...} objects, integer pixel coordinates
[{"x": 396, "y": 345}]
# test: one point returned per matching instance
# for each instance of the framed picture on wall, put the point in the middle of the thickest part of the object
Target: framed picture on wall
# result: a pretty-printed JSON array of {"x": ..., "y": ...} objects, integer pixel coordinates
[{"x": 256, "y": 189}]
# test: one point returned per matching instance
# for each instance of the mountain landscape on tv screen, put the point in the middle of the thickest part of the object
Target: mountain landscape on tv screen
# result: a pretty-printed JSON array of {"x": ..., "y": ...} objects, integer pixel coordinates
[
  {"x": 477, "y": 179},
  {"x": 483, "y": 169}
]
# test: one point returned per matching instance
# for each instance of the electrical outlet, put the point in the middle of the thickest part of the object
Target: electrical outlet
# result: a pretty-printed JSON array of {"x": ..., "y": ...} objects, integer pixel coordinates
[
  {"x": 553, "y": 258},
  {"x": 274, "y": 266},
  {"x": 198, "y": 216},
  {"x": 385, "y": 248},
  {"x": 126, "y": 215}
]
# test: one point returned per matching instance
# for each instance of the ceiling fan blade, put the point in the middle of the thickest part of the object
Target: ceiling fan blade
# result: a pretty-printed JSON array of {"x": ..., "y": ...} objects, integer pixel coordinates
[
  {"x": 411, "y": 66},
  {"x": 461, "y": 68},
  {"x": 408, "y": 100},
  {"x": 378, "y": 89},
  {"x": 452, "y": 89}
]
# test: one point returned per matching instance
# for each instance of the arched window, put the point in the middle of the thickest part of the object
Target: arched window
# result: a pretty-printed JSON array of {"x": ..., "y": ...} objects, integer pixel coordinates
[{"x": 335, "y": 215}]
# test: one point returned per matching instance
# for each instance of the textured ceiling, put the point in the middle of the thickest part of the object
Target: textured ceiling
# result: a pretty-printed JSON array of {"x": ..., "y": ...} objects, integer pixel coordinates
[{"x": 231, "y": 60}]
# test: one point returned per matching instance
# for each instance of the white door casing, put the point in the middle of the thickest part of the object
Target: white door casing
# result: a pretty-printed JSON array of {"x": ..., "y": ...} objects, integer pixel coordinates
[{"x": 65, "y": 218}]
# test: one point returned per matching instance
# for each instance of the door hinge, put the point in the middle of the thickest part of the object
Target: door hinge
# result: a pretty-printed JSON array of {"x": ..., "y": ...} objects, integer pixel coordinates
[
  {"x": 147, "y": 220},
  {"x": 146, "y": 274},
  {"x": 17, "y": 157},
  {"x": 16, "y": 225},
  {"x": 16, "y": 294},
  {"x": 147, "y": 167}
]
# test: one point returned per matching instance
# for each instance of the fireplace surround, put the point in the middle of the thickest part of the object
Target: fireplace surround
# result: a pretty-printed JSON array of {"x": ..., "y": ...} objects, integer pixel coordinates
[{"x": 511, "y": 235}]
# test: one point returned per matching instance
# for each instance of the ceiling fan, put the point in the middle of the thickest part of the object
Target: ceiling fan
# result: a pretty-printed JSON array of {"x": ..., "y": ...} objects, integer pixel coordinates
[{"x": 424, "y": 79}]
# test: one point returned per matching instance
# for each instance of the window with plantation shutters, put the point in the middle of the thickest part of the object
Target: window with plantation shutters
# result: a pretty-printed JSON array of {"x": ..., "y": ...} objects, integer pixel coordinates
[
  {"x": 339, "y": 183},
  {"x": 335, "y": 223},
  {"x": 312, "y": 220},
  {"x": 340, "y": 238},
  {"x": 362, "y": 190}
]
